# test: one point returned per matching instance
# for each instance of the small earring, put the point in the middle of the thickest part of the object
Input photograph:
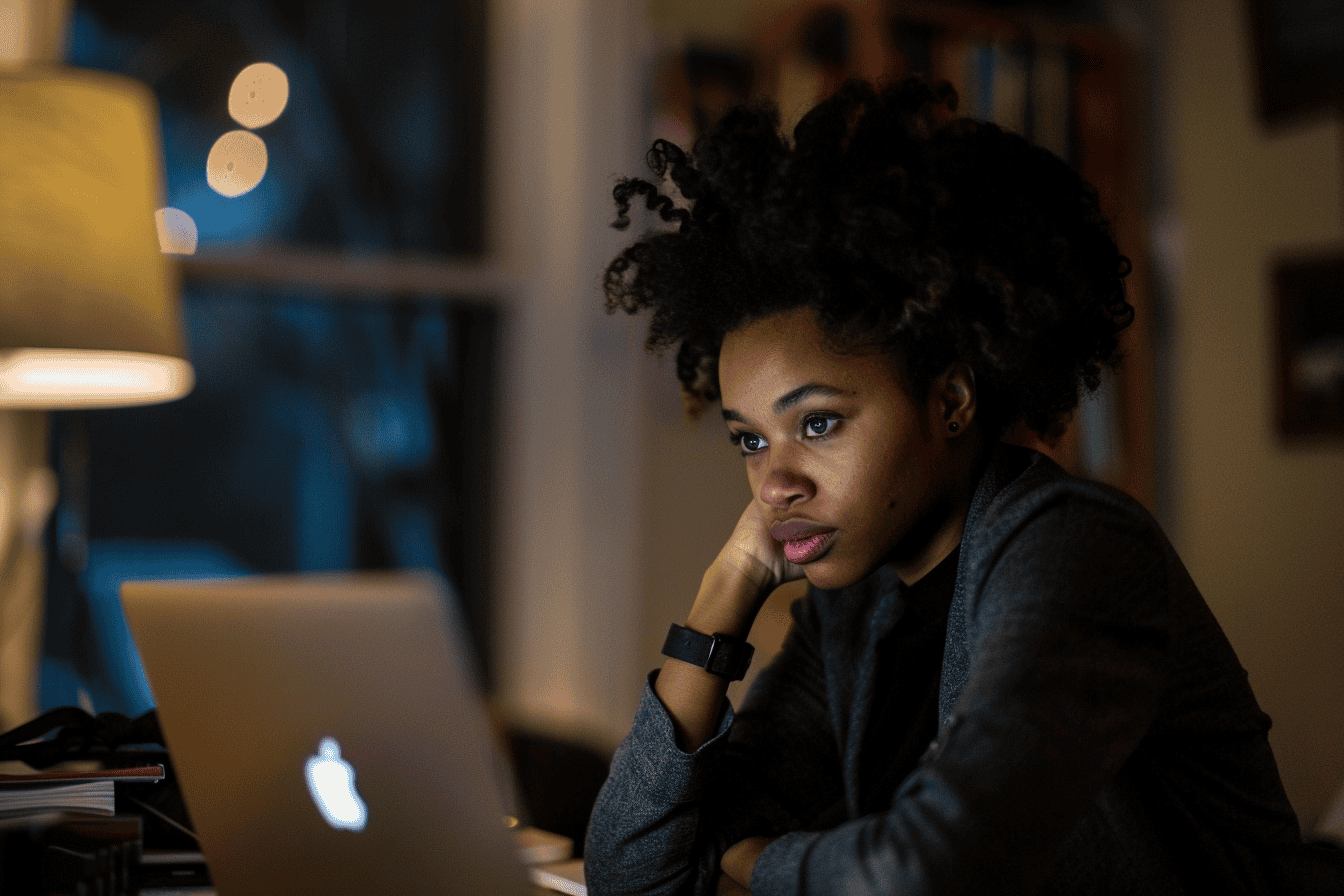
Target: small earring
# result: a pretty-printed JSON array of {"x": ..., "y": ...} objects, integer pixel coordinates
[{"x": 953, "y": 427}]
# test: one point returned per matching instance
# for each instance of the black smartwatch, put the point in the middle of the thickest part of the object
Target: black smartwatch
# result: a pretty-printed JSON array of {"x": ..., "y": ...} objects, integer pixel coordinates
[{"x": 723, "y": 655}]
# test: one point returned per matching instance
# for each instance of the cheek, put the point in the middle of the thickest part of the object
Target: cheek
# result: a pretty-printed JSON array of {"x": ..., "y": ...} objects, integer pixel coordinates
[
  {"x": 890, "y": 466},
  {"x": 899, "y": 491},
  {"x": 872, "y": 499}
]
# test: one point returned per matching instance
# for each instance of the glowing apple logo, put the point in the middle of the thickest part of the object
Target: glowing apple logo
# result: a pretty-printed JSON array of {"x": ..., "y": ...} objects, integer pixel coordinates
[{"x": 331, "y": 781}]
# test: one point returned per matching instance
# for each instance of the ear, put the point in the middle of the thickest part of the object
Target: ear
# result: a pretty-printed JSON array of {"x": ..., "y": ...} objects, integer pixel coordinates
[{"x": 953, "y": 398}]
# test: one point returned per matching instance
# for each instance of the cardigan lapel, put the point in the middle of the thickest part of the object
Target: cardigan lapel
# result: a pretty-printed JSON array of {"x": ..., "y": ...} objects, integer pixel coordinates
[{"x": 1005, "y": 464}]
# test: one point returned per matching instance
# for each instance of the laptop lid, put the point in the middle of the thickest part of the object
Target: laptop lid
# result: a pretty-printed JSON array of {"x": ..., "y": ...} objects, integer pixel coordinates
[{"x": 275, "y": 693}]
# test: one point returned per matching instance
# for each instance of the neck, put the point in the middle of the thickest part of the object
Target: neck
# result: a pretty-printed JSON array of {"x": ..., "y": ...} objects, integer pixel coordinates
[
  {"x": 940, "y": 531},
  {"x": 942, "y": 540}
]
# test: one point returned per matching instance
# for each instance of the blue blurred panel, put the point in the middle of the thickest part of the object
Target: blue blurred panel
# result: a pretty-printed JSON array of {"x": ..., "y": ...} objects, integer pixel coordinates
[
  {"x": 309, "y": 419},
  {"x": 104, "y": 663},
  {"x": 317, "y": 438}
]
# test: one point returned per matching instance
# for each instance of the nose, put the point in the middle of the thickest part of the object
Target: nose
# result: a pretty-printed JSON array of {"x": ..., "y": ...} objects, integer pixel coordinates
[{"x": 783, "y": 487}]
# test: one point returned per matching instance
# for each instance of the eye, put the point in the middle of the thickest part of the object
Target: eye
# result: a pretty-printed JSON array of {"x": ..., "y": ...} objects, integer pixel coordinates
[
  {"x": 819, "y": 426},
  {"x": 749, "y": 442}
]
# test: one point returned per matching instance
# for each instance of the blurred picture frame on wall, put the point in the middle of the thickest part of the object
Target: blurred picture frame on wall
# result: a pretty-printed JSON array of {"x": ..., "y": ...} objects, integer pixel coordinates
[
  {"x": 1299, "y": 65},
  {"x": 1309, "y": 294}
]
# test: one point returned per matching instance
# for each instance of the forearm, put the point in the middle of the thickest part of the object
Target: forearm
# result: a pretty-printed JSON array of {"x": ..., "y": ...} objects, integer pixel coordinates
[
  {"x": 670, "y": 808},
  {"x": 727, "y": 604},
  {"x": 666, "y": 816},
  {"x": 645, "y": 833}
]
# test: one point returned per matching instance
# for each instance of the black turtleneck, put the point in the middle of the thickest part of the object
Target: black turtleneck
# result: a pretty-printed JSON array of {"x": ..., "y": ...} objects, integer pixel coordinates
[{"x": 905, "y": 687}]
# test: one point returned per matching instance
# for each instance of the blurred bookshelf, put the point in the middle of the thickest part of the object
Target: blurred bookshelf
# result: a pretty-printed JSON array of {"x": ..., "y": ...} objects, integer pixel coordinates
[
  {"x": 1067, "y": 84},
  {"x": 1072, "y": 88}
]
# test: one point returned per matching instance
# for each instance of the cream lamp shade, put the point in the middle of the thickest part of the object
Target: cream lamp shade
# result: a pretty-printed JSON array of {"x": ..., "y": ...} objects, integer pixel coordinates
[{"x": 89, "y": 313}]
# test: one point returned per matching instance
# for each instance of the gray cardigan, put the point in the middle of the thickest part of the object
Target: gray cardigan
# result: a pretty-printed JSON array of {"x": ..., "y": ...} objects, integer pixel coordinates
[{"x": 1098, "y": 734}]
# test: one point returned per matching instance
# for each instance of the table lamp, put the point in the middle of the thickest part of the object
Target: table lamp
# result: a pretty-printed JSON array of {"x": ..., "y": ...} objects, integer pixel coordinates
[
  {"x": 89, "y": 313},
  {"x": 88, "y": 308}
]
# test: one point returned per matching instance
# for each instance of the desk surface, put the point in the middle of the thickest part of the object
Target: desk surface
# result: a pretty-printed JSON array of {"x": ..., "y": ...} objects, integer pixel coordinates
[{"x": 547, "y": 857}]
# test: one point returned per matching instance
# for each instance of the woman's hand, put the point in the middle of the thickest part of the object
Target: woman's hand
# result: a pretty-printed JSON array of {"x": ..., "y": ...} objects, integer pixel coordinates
[
  {"x": 753, "y": 552},
  {"x": 737, "y": 864},
  {"x": 750, "y": 565}
]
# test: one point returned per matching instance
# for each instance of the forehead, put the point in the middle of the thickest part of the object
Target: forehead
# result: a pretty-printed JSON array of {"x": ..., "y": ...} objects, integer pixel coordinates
[{"x": 771, "y": 355}]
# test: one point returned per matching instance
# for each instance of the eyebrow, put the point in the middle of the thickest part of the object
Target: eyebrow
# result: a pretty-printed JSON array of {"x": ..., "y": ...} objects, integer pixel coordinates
[{"x": 791, "y": 398}]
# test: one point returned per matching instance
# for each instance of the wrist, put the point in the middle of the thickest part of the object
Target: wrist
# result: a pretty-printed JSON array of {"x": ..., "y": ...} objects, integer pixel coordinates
[
  {"x": 726, "y": 656},
  {"x": 727, "y": 602},
  {"x": 734, "y": 562}
]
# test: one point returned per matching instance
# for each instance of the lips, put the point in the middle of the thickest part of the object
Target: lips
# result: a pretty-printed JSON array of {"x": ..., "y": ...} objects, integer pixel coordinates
[{"x": 803, "y": 540}]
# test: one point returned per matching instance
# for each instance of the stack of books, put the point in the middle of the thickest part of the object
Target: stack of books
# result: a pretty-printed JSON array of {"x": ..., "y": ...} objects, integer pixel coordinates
[
  {"x": 90, "y": 792},
  {"x": 59, "y": 832}
]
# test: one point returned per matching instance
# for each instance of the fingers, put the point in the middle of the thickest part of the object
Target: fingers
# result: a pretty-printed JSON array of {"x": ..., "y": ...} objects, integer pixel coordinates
[
  {"x": 740, "y": 858},
  {"x": 752, "y": 541}
]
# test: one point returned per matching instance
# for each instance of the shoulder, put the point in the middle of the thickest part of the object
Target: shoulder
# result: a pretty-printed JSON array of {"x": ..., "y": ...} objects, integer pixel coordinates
[
  {"x": 1022, "y": 489},
  {"x": 1031, "y": 522},
  {"x": 1019, "y": 480}
]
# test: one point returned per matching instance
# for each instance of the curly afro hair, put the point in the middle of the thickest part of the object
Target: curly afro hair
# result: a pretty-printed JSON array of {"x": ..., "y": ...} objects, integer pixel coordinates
[{"x": 905, "y": 228}]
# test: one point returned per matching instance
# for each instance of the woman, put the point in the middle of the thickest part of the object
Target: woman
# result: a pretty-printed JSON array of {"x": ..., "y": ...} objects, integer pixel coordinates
[{"x": 1001, "y": 678}]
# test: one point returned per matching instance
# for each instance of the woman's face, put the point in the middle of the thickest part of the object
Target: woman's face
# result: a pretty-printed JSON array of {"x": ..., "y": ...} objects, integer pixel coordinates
[{"x": 851, "y": 470}]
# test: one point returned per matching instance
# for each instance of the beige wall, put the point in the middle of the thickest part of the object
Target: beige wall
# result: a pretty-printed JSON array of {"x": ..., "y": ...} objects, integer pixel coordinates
[
  {"x": 1260, "y": 525},
  {"x": 565, "y": 86}
]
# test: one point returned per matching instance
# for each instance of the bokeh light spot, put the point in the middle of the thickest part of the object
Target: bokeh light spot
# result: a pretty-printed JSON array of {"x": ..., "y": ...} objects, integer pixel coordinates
[
  {"x": 236, "y": 164},
  {"x": 177, "y": 231},
  {"x": 258, "y": 95}
]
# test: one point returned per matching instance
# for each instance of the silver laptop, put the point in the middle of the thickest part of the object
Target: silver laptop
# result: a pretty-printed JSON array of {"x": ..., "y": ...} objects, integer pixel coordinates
[{"x": 326, "y": 734}]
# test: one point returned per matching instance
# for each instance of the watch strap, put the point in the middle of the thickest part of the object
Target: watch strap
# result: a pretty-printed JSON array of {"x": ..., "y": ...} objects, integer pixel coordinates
[{"x": 723, "y": 655}]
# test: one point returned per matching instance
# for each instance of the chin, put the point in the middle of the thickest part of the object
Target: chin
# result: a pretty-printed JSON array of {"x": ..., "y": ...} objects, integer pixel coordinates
[{"x": 828, "y": 577}]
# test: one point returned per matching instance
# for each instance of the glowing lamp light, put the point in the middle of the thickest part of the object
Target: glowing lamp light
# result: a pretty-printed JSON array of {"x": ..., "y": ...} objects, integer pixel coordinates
[
  {"x": 88, "y": 379},
  {"x": 259, "y": 94},
  {"x": 89, "y": 313},
  {"x": 177, "y": 231},
  {"x": 236, "y": 164}
]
